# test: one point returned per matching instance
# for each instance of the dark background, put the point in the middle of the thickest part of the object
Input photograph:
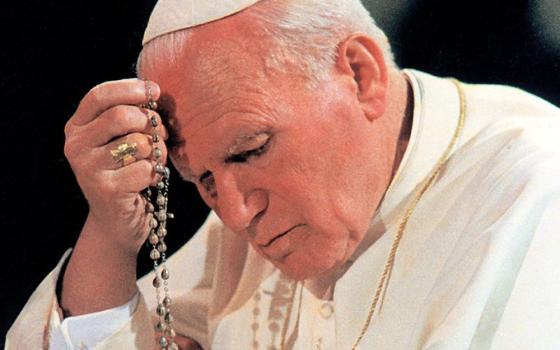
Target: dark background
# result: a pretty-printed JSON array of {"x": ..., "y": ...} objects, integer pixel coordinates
[{"x": 53, "y": 52}]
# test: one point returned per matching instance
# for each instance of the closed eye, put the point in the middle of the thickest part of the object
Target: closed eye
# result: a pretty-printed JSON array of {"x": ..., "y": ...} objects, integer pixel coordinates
[{"x": 242, "y": 157}]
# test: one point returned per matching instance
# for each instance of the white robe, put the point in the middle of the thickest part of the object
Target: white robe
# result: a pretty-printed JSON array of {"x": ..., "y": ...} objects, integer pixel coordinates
[{"x": 478, "y": 266}]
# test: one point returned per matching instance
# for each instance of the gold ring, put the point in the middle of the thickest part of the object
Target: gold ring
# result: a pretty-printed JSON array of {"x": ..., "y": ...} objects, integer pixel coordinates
[
  {"x": 125, "y": 152},
  {"x": 128, "y": 159}
]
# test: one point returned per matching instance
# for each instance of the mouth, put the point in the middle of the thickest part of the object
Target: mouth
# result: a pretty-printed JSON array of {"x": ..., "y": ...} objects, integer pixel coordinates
[
  {"x": 277, "y": 237},
  {"x": 281, "y": 245}
]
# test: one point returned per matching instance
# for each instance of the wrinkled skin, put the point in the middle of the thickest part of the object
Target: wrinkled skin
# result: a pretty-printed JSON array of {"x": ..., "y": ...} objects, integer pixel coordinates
[{"x": 297, "y": 172}]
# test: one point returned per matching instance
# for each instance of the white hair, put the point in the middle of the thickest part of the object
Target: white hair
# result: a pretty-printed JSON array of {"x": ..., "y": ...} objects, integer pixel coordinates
[{"x": 304, "y": 34}]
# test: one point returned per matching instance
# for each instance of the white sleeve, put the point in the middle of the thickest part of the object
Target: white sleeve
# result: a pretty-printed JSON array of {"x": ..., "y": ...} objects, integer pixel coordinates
[{"x": 86, "y": 331}]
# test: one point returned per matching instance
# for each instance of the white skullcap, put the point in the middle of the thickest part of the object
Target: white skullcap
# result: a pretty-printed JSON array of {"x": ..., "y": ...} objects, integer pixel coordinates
[{"x": 172, "y": 15}]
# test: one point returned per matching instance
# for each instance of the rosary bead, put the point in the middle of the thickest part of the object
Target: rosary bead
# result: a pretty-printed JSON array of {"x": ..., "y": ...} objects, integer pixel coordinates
[
  {"x": 165, "y": 274},
  {"x": 149, "y": 207},
  {"x": 170, "y": 215},
  {"x": 160, "y": 327},
  {"x": 154, "y": 239},
  {"x": 152, "y": 105},
  {"x": 148, "y": 192},
  {"x": 156, "y": 282},
  {"x": 168, "y": 318},
  {"x": 161, "y": 199},
  {"x": 162, "y": 247},
  {"x": 153, "y": 223},
  {"x": 154, "y": 254},
  {"x": 163, "y": 342},
  {"x": 161, "y": 215},
  {"x": 166, "y": 172},
  {"x": 161, "y": 310},
  {"x": 158, "y": 152},
  {"x": 153, "y": 120},
  {"x": 170, "y": 332},
  {"x": 174, "y": 346},
  {"x": 167, "y": 301},
  {"x": 160, "y": 169},
  {"x": 160, "y": 185},
  {"x": 161, "y": 231}
]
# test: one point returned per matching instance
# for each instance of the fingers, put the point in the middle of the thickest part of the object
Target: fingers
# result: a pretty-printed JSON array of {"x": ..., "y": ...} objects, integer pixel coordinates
[
  {"x": 109, "y": 94},
  {"x": 144, "y": 145},
  {"x": 118, "y": 121},
  {"x": 135, "y": 177}
]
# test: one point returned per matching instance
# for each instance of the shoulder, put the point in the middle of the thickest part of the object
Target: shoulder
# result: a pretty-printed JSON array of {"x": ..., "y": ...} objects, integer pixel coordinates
[
  {"x": 499, "y": 109},
  {"x": 514, "y": 127}
]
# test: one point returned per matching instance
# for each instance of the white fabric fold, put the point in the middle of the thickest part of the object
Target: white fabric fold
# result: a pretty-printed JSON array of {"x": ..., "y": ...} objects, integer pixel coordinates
[{"x": 86, "y": 331}]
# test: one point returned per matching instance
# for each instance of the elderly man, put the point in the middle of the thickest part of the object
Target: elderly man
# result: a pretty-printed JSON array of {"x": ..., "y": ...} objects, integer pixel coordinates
[{"x": 355, "y": 205}]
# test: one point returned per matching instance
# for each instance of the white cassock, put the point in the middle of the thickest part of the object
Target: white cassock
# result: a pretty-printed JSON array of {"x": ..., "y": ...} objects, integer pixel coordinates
[{"x": 478, "y": 266}]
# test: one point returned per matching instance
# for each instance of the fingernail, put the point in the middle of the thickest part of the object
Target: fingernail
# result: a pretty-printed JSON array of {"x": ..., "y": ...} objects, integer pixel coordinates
[{"x": 151, "y": 89}]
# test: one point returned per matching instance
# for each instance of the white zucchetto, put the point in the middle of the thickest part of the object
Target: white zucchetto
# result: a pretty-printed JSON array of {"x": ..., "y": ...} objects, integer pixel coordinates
[{"x": 172, "y": 15}]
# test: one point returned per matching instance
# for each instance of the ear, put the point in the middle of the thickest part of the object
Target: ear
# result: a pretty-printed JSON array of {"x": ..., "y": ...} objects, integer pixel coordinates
[{"x": 361, "y": 59}]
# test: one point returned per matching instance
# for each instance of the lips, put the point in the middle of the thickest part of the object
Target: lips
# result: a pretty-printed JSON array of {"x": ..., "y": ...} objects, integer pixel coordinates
[{"x": 282, "y": 244}]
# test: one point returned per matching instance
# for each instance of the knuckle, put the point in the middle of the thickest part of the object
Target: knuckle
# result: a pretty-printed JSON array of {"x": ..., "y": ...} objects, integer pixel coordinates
[
  {"x": 123, "y": 117},
  {"x": 68, "y": 128},
  {"x": 96, "y": 94},
  {"x": 108, "y": 188},
  {"x": 69, "y": 149}
]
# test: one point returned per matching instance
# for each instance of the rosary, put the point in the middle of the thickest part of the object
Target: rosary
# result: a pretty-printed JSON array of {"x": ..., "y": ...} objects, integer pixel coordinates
[{"x": 157, "y": 206}]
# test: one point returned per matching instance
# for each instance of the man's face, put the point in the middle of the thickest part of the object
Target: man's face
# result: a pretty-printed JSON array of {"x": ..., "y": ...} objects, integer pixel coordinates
[{"x": 295, "y": 171}]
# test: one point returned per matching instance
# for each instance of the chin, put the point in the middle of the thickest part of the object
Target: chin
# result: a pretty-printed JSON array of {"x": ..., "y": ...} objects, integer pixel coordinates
[{"x": 299, "y": 269}]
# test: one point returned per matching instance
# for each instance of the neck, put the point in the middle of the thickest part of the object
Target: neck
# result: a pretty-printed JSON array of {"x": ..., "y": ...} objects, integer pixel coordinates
[
  {"x": 400, "y": 107},
  {"x": 399, "y": 110}
]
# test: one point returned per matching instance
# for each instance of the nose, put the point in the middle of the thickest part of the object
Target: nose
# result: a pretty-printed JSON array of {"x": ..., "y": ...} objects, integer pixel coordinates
[{"x": 238, "y": 205}]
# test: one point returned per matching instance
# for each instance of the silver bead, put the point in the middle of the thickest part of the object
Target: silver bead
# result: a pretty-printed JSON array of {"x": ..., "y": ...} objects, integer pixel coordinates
[
  {"x": 167, "y": 301},
  {"x": 163, "y": 342},
  {"x": 162, "y": 247},
  {"x": 153, "y": 120},
  {"x": 153, "y": 223},
  {"x": 156, "y": 282},
  {"x": 152, "y": 105},
  {"x": 161, "y": 215},
  {"x": 174, "y": 346},
  {"x": 170, "y": 215},
  {"x": 161, "y": 199},
  {"x": 161, "y": 231},
  {"x": 149, "y": 207},
  {"x": 157, "y": 153},
  {"x": 160, "y": 169},
  {"x": 154, "y": 254},
  {"x": 160, "y": 327},
  {"x": 154, "y": 239},
  {"x": 165, "y": 274},
  {"x": 148, "y": 192},
  {"x": 161, "y": 310},
  {"x": 166, "y": 172},
  {"x": 160, "y": 185},
  {"x": 168, "y": 318},
  {"x": 170, "y": 332}
]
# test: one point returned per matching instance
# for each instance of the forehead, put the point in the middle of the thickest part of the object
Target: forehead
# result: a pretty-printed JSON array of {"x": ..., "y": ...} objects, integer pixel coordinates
[{"x": 220, "y": 72}]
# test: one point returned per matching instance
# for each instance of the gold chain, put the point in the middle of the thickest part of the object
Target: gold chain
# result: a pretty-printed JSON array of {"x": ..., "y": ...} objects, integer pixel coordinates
[{"x": 402, "y": 226}]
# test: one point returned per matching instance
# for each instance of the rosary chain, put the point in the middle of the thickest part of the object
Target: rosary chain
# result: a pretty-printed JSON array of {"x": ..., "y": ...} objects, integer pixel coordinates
[
  {"x": 158, "y": 231},
  {"x": 404, "y": 222}
]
